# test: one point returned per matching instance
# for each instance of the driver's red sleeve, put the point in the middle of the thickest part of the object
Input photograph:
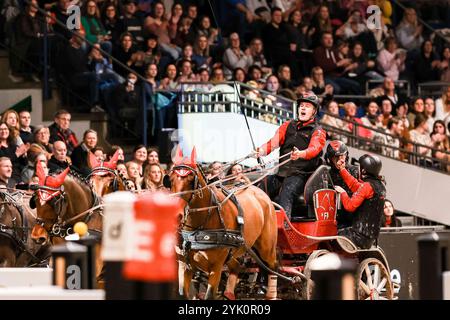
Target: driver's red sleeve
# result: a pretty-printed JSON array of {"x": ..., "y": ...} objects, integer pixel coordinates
[
  {"x": 316, "y": 144},
  {"x": 350, "y": 180},
  {"x": 364, "y": 192},
  {"x": 276, "y": 141}
]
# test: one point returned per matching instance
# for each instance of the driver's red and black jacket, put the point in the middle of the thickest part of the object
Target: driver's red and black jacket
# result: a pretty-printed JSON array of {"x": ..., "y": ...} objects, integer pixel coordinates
[
  {"x": 366, "y": 203},
  {"x": 308, "y": 136}
]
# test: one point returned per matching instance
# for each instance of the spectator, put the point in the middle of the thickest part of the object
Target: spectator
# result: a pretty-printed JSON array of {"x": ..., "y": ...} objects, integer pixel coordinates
[
  {"x": 165, "y": 29},
  {"x": 60, "y": 130},
  {"x": 152, "y": 53},
  {"x": 284, "y": 76},
  {"x": 418, "y": 108},
  {"x": 11, "y": 118},
  {"x": 59, "y": 10},
  {"x": 372, "y": 117},
  {"x": 389, "y": 218},
  {"x": 353, "y": 27},
  {"x": 151, "y": 73},
  {"x": 26, "y": 130},
  {"x": 186, "y": 72},
  {"x": 29, "y": 170},
  {"x": 386, "y": 112},
  {"x": 409, "y": 31},
  {"x": 26, "y": 40},
  {"x": 121, "y": 155},
  {"x": 59, "y": 160},
  {"x": 153, "y": 175},
  {"x": 169, "y": 82},
  {"x": 80, "y": 153},
  {"x": 443, "y": 106},
  {"x": 389, "y": 92},
  {"x": 365, "y": 68},
  {"x": 402, "y": 112},
  {"x": 444, "y": 68},
  {"x": 217, "y": 75},
  {"x": 333, "y": 67},
  {"x": 234, "y": 57},
  {"x": 390, "y": 60},
  {"x": 15, "y": 153},
  {"x": 440, "y": 141},
  {"x": 186, "y": 54},
  {"x": 332, "y": 119},
  {"x": 255, "y": 73},
  {"x": 205, "y": 29},
  {"x": 6, "y": 169},
  {"x": 318, "y": 84},
  {"x": 215, "y": 172},
  {"x": 124, "y": 53},
  {"x": 140, "y": 157},
  {"x": 240, "y": 177},
  {"x": 41, "y": 142},
  {"x": 184, "y": 34},
  {"x": 391, "y": 140},
  {"x": 350, "y": 116},
  {"x": 152, "y": 156},
  {"x": 99, "y": 153},
  {"x": 430, "y": 112},
  {"x": 110, "y": 20},
  {"x": 133, "y": 175},
  {"x": 239, "y": 75},
  {"x": 95, "y": 32},
  {"x": 258, "y": 57},
  {"x": 426, "y": 66},
  {"x": 320, "y": 24},
  {"x": 127, "y": 102},
  {"x": 130, "y": 23},
  {"x": 122, "y": 170},
  {"x": 421, "y": 136},
  {"x": 277, "y": 41}
]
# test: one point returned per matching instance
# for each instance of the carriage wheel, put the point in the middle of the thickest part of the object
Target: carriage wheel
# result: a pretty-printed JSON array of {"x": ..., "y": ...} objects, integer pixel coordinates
[
  {"x": 308, "y": 288},
  {"x": 374, "y": 281}
]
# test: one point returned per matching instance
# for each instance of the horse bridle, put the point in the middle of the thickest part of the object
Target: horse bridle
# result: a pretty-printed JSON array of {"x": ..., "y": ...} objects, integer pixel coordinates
[
  {"x": 109, "y": 171},
  {"x": 184, "y": 170}
]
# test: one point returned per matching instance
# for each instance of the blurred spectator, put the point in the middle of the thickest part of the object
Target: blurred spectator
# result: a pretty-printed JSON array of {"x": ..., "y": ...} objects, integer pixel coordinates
[
  {"x": 152, "y": 52},
  {"x": 201, "y": 55},
  {"x": 28, "y": 32},
  {"x": 153, "y": 175},
  {"x": 239, "y": 75},
  {"x": 443, "y": 106},
  {"x": 123, "y": 53},
  {"x": 140, "y": 157},
  {"x": 240, "y": 177},
  {"x": 440, "y": 142},
  {"x": 204, "y": 29},
  {"x": 110, "y": 20},
  {"x": 444, "y": 66},
  {"x": 255, "y": 73},
  {"x": 421, "y": 135},
  {"x": 390, "y": 60},
  {"x": 389, "y": 218},
  {"x": 333, "y": 67},
  {"x": 372, "y": 117},
  {"x": 429, "y": 112},
  {"x": 334, "y": 120},
  {"x": 113, "y": 150},
  {"x": 258, "y": 57},
  {"x": 277, "y": 41},
  {"x": 350, "y": 116},
  {"x": 29, "y": 170},
  {"x": 127, "y": 102},
  {"x": 60, "y": 130},
  {"x": 409, "y": 31},
  {"x": 319, "y": 87},
  {"x": 186, "y": 72},
  {"x": 152, "y": 156},
  {"x": 402, "y": 112},
  {"x": 390, "y": 140},
  {"x": 151, "y": 73},
  {"x": 41, "y": 142},
  {"x": 353, "y": 27},
  {"x": 133, "y": 175},
  {"x": 386, "y": 112},
  {"x": 99, "y": 153},
  {"x": 80, "y": 153},
  {"x": 260, "y": 9},
  {"x": 95, "y": 32},
  {"x": 299, "y": 43},
  {"x": 122, "y": 170},
  {"x": 217, "y": 75},
  {"x": 59, "y": 160},
  {"x": 15, "y": 153},
  {"x": 26, "y": 130},
  {"x": 6, "y": 169},
  {"x": 426, "y": 66},
  {"x": 285, "y": 78},
  {"x": 320, "y": 24},
  {"x": 130, "y": 23},
  {"x": 418, "y": 107},
  {"x": 59, "y": 11},
  {"x": 364, "y": 69},
  {"x": 234, "y": 57},
  {"x": 169, "y": 82},
  {"x": 390, "y": 92},
  {"x": 166, "y": 30},
  {"x": 215, "y": 172},
  {"x": 11, "y": 118},
  {"x": 287, "y": 6}
]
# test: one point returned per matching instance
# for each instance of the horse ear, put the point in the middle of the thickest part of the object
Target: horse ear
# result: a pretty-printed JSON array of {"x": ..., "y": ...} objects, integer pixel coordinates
[
  {"x": 56, "y": 182},
  {"x": 93, "y": 161},
  {"x": 178, "y": 156},
  {"x": 40, "y": 173},
  {"x": 112, "y": 164},
  {"x": 194, "y": 156}
]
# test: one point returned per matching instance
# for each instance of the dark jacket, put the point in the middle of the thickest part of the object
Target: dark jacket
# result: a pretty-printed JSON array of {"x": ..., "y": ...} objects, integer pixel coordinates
[
  {"x": 80, "y": 159},
  {"x": 55, "y": 165},
  {"x": 67, "y": 136},
  {"x": 27, "y": 136}
]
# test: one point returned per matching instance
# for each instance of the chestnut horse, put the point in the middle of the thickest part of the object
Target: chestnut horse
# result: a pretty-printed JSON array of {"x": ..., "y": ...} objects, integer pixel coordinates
[
  {"x": 104, "y": 177},
  {"x": 209, "y": 216},
  {"x": 16, "y": 246}
]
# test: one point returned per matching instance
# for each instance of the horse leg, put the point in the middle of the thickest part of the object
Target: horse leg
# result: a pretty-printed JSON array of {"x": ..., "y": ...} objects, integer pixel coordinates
[
  {"x": 234, "y": 266},
  {"x": 188, "y": 273},
  {"x": 7, "y": 257}
]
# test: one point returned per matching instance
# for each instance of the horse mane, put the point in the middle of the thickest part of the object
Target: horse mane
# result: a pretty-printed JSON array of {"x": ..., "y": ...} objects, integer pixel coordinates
[{"x": 77, "y": 176}]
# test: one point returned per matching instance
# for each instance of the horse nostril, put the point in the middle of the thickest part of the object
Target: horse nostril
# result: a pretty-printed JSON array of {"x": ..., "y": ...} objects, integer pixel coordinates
[{"x": 40, "y": 240}]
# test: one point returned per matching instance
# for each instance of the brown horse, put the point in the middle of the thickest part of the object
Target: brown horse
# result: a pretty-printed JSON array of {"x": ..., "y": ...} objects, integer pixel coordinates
[
  {"x": 16, "y": 246},
  {"x": 104, "y": 177},
  {"x": 259, "y": 229}
]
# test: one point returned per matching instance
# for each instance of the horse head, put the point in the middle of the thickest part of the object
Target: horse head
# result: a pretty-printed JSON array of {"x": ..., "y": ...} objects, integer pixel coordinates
[
  {"x": 103, "y": 176},
  {"x": 185, "y": 176},
  {"x": 48, "y": 200}
]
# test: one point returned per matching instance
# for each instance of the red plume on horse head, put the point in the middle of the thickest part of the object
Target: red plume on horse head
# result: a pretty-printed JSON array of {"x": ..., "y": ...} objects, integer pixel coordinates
[
  {"x": 112, "y": 164},
  {"x": 177, "y": 159},
  {"x": 93, "y": 161},
  {"x": 50, "y": 181}
]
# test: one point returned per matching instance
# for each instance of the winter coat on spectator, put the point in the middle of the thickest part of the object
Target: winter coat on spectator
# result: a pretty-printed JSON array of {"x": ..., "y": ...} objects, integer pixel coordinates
[
  {"x": 423, "y": 71},
  {"x": 55, "y": 165},
  {"x": 67, "y": 136},
  {"x": 327, "y": 59},
  {"x": 27, "y": 136},
  {"x": 80, "y": 159},
  {"x": 93, "y": 27}
]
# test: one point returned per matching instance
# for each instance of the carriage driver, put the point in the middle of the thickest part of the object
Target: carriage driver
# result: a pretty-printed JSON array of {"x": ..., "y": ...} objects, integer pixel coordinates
[
  {"x": 366, "y": 203},
  {"x": 306, "y": 139}
]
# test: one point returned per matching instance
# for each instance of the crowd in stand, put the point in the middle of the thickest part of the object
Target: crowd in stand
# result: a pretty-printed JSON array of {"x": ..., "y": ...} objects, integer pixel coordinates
[{"x": 285, "y": 47}]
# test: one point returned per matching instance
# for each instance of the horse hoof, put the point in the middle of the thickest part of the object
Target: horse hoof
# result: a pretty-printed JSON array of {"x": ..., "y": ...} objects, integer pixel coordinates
[{"x": 229, "y": 296}]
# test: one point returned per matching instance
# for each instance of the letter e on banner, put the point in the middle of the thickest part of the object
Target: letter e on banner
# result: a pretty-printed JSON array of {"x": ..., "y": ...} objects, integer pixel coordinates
[{"x": 153, "y": 257}]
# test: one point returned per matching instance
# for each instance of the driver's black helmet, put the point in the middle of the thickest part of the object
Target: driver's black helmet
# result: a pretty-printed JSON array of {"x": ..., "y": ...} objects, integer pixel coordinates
[
  {"x": 335, "y": 148},
  {"x": 311, "y": 98},
  {"x": 371, "y": 165}
]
